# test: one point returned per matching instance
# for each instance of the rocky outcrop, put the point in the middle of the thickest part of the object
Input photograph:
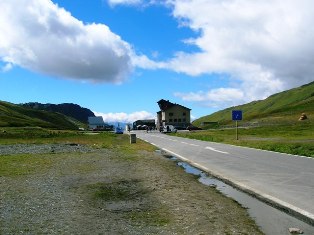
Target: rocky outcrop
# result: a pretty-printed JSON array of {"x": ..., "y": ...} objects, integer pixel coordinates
[
  {"x": 303, "y": 117},
  {"x": 295, "y": 231}
]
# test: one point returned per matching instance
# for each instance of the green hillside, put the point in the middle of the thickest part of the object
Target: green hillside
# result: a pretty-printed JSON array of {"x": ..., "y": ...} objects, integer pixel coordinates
[
  {"x": 283, "y": 107},
  {"x": 12, "y": 115},
  {"x": 68, "y": 109}
]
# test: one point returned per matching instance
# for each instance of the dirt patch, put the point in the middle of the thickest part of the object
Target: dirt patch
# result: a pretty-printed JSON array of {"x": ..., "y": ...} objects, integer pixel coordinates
[{"x": 110, "y": 192}]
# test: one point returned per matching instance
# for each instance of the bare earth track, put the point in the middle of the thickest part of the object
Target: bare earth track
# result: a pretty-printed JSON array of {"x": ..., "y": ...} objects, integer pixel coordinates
[{"x": 75, "y": 189}]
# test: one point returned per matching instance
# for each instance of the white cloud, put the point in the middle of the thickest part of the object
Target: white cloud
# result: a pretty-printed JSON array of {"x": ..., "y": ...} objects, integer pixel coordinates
[
  {"x": 7, "y": 67},
  {"x": 124, "y": 2},
  {"x": 214, "y": 97},
  {"x": 265, "y": 46},
  {"x": 141, "y": 3},
  {"x": 142, "y": 61},
  {"x": 124, "y": 117},
  {"x": 42, "y": 37}
]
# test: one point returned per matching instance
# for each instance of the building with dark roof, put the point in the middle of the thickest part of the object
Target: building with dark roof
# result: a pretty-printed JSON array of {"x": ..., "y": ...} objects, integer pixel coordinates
[
  {"x": 98, "y": 124},
  {"x": 142, "y": 124},
  {"x": 173, "y": 114}
]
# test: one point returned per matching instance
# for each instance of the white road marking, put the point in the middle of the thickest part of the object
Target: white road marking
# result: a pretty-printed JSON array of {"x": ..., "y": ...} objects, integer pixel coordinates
[
  {"x": 177, "y": 155},
  {"x": 212, "y": 149},
  {"x": 194, "y": 145}
]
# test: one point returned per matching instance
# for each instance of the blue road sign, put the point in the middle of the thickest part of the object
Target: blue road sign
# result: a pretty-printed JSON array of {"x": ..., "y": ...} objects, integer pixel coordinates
[{"x": 236, "y": 115}]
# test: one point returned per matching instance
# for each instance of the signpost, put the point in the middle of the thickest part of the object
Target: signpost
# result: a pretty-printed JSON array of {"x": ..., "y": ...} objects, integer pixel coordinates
[{"x": 237, "y": 116}]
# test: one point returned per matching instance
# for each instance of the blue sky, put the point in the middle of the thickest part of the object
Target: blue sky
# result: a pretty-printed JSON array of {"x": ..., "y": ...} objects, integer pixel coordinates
[{"x": 119, "y": 57}]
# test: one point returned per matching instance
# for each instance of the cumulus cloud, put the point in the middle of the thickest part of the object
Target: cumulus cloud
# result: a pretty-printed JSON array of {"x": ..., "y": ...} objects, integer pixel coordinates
[
  {"x": 7, "y": 67},
  {"x": 265, "y": 46},
  {"x": 42, "y": 37},
  {"x": 217, "y": 97},
  {"x": 124, "y": 117},
  {"x": 124, "y": 2},
  {"x": 142, "y": 3}
]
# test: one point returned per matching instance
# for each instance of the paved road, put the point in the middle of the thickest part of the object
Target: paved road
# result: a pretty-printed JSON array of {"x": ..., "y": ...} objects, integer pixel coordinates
[{"x": 286, "y": 181}]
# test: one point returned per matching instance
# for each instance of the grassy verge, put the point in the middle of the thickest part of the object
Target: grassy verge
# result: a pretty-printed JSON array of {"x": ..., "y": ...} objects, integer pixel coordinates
[
  {"x": 23, "y": 164},
  {"x": 297, "y": 138},
  {"x": 45, "y": 136}
]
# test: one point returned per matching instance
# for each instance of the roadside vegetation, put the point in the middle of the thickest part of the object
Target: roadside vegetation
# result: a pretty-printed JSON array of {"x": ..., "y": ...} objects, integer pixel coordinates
[
  {"x": 271, "y": 124},
  {"x": 296, "y": 139},
  {"x": 37, "y": 135}
]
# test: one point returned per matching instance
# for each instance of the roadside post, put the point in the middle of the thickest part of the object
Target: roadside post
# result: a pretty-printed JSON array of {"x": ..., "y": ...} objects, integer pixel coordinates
[
  {"x": 132, "y": 138},
  {"x": 237, "y": 116}
]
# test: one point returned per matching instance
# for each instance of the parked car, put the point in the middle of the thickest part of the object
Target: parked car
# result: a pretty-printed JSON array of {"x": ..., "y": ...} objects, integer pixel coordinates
[
  {"x": 169, "y": 129},
  {"x": 118, "y": 130},
  {"x": 179, "y": 128},
  {"x": 193, "y": 128}
]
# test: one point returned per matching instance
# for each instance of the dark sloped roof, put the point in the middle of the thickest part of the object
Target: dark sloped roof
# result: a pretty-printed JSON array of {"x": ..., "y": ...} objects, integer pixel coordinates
[{"x": 166, "y": 104}]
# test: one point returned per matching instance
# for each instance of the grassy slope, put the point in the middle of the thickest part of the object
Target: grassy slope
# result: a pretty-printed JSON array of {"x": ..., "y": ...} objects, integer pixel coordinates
[
  {"x": 275, "y": 120},
  {"x": 16, "y": 116},
  {"x": 284, "y": 107}
]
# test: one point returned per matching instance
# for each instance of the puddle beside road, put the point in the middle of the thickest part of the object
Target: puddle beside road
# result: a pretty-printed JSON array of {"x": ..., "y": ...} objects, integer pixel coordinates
[{"x": 269, "y": 219}]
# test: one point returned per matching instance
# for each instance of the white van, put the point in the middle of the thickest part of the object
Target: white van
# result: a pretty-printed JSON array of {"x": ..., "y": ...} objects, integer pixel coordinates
[{"x": 169, "y": 129}]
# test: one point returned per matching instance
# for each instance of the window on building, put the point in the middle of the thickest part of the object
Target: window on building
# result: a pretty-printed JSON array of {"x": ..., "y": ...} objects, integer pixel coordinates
[
  {"x": 170, "y": 114},
  {"x": 179, "y": 120},
  {"x": 175, "y": 120},
  {"x": 184, "y": 114},
  {"x": 170, "y": 120},
  {"x": 184, "y": 120}
]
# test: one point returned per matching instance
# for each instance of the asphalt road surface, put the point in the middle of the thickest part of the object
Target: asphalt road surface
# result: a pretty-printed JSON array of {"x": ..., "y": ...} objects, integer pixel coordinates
[{"x": 284, "y": 180}]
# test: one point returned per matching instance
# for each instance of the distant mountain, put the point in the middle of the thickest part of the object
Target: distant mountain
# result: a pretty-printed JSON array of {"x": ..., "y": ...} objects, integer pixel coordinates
[
  {"x": 282, "y": 107},
  {"x": 12, "y": 115},
  {"x": 71, "y": 110}
]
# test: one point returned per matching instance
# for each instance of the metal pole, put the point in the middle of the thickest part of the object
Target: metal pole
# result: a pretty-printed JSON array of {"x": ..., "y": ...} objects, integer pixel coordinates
[{"x": 237, "y": 137}]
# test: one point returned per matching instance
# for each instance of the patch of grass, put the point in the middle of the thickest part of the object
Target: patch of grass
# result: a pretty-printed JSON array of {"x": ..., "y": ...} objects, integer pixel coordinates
[
  {"x": 38, "y": 135},
  {"x": 205, "y": 136},
  {"x": 152, "y": 217},
  {"x": 122, "y": 144},
  {"x": 21, "y": 165},
  {"x": 127, "y": 191},
  {"x": 302, "y": 149},
  {"x": 123, "y": 190}
]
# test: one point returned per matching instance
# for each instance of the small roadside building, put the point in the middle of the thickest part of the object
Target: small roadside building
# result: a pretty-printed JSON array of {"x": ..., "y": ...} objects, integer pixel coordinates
[
  {"x": 142, "y": 124},
  {"x": 173, "y": 114},
  {"x": 96, "y": 123}
]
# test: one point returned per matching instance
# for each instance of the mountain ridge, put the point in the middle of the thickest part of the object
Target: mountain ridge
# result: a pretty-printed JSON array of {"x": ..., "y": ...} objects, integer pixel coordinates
[
  {"x": 69, "y": 109},
  {"x": 13, "y": 115}
]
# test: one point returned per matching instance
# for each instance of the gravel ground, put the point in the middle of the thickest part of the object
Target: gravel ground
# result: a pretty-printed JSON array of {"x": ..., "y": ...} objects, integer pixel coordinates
[
  {"x": 75, "y": 189},
  {"x": 43, "y": 148}
]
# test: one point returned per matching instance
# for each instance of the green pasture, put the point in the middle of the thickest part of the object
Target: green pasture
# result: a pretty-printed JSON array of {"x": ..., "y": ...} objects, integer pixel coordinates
[
  {"x": 23, "y": 164},
  {"x": 296, "y": 138},
  {"x": 37, "y": 135}
]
